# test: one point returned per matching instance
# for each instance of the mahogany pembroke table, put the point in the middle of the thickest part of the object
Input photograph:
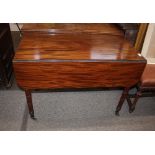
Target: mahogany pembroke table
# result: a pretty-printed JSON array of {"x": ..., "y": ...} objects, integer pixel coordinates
[{"x": 56, "y": 59}]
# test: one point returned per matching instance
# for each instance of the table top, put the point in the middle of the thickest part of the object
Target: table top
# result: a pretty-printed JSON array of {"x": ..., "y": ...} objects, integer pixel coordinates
[
  {"x": 38, "y": 46},
  {"x": 102, "y": 28}
]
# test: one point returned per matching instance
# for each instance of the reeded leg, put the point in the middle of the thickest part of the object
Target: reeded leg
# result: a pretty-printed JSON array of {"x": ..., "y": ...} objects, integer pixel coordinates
[
  {"x": 138, "y": 94},
  {"x": 121, "y": 101},
  {"x": 29, "y": 103}
]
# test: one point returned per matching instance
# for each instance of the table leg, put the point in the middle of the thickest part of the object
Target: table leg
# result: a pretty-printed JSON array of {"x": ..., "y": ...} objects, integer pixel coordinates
[
  {"x": 129, "y": 103},
  {"x": 29, "y": 103},
  {"x": 138, "y": 94},
  {"x": 121, "y": 101}
]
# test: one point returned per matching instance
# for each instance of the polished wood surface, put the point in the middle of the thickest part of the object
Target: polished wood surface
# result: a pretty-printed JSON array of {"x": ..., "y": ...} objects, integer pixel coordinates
[
  {"x": 43, "y": 75},
  {"x": 76, "y": 61},
  {"x": 37, "y": 46},
  {"x": 102, "y": 28}
]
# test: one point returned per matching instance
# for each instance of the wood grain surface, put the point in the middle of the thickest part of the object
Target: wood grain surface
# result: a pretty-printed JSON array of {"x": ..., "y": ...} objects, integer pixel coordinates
[
  {"x": 38, "y": 46},
  {"x": 75, "y": 60},
  {"x": 102, "y": 28},
  {"x": 42, "y": 75}
]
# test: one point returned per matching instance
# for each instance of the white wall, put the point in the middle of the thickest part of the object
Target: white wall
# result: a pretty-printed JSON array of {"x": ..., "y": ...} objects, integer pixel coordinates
[
  {"x": 14, "y": 27},
  {"x": 148, "y": 50}
]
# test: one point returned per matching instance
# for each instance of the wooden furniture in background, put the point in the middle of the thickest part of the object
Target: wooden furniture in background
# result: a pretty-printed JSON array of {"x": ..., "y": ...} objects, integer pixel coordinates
[
  {"x": 55, "y": 28},
  {"x": 130, "y": 31},
  {"x": 141, "y": 36},
  {"x": 133, "y": 32},
  {"x": 6, "y": 55},
  {"x": 146, "y": 84}
]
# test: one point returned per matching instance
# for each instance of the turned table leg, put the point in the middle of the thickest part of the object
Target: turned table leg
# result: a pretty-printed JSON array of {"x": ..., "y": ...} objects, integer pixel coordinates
[
  {"x": 121, "y": 101},
  {"x": 29, "y": 103}
]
